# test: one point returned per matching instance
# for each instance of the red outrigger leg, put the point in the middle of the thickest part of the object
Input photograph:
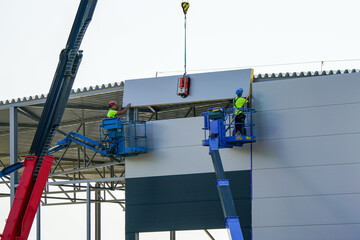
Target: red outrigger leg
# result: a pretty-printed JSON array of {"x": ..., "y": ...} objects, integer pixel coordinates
[{"x": 27, "y": 199}]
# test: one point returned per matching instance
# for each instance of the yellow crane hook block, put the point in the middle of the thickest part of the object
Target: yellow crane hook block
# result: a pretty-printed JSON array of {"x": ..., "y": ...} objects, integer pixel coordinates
[{"x": 185, "y": 6}]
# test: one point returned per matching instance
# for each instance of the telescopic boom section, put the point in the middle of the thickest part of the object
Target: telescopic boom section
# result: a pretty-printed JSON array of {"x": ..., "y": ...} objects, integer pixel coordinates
[
  {"x": 69, "y": 62},
  {"x": 37, "y": 164}
]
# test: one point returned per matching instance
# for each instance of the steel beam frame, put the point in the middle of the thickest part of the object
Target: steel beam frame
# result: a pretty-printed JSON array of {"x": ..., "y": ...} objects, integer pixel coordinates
[{"x": 14, "y": 178}]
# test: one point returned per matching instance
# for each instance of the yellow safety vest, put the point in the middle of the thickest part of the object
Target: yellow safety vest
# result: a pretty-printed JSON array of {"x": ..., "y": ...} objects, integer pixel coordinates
[
  {"x": 239, "y": 103},
  {"x": 111, "y": 113}
]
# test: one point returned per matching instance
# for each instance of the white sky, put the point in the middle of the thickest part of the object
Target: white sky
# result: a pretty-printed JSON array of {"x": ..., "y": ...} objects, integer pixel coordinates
[{"x": 137, "y": 38}]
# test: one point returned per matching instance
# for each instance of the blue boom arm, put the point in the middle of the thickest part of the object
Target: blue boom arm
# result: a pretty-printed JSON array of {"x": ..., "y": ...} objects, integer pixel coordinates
[
  {"x": 117, "y": 139},
  {"x": 79, "y": 139},
  {"x": 11, "y": 168}
]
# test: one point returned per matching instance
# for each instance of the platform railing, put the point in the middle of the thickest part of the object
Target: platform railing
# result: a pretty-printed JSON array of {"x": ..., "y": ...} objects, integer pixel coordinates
[
  {"x": 231, "y": 124},
  {"x": 229, "y": 115},
  {"x": 128, "y": 137},
  {"x": 135, "y": 134}
]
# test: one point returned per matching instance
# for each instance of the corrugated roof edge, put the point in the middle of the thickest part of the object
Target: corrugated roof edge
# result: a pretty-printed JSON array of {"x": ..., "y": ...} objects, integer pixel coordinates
[
  {"x": 302, "y": 74},
  {"x": 73, "y": 92},
  {"x": 257, "y": 77}
]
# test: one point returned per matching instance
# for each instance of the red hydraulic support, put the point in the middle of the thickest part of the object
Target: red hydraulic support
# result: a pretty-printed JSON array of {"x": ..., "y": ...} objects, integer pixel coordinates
[{"x": 27, "y": 199}]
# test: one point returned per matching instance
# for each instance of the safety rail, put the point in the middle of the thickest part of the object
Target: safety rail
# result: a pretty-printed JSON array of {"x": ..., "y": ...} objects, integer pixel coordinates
[
  {"x": 226, "y": 126},
  {"x": 135, "y": 136},
  {"x": 247, "y": 125},
  {"x": 123, "y": 138}
]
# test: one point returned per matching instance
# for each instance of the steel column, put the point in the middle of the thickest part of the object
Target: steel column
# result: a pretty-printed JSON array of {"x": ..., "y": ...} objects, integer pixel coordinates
[
  {"x": 14, "y": 180},
  {"x": 97, "y": 213},
  {"x": 132, "y": 114},
  {"x": 172, "y": 235},
  {"x": 136, "y": 114},
  {"x": 88, "y": 212},
  {"x": 84, "y": 134},
  {"x": 38, "y": 223},
  {"x": 129, "y": 114}
]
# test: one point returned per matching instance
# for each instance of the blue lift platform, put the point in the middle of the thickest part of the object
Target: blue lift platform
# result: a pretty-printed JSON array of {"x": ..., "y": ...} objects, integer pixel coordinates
[
  {"x": 219, "y": 128},
  {"x": 117, "y": 139}
]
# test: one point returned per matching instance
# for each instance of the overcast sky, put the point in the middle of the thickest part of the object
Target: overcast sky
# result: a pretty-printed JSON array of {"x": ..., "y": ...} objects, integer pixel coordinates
[{"x": 137, "y": 38}]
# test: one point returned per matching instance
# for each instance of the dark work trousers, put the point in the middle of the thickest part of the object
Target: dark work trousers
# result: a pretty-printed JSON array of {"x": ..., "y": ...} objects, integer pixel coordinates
[{"x": 239, "y": 124}]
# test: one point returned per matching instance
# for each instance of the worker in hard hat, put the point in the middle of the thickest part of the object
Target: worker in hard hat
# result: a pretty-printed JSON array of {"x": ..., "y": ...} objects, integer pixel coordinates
[
  {"x": 114, "y": 112},
  {"x": 238, "y": 103}
]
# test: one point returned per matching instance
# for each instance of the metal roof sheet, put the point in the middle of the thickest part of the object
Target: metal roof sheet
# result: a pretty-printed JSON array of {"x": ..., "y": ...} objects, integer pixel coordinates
[
  {"x": 111, "y": 86},
  {"x": 302, "y": 74}
]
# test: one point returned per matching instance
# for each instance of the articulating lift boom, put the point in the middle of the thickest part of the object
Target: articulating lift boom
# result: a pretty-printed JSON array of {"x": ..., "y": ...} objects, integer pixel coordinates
[
  {"x": 12, "y": 168},
  {"x": 218, "y": 123},
  {"x": 118, "y": 139},
  {"x": 37, "y": 164}
]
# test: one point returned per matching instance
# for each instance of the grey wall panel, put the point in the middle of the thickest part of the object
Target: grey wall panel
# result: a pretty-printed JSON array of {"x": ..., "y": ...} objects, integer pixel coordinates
[
  {"x": 306, "y": 181},
  {"x": 306, "y": 92},
  {"x": 326, "y": 120},
  {"x": 184, "y": 160},
  {"x": 182, "y": 202},
  {"x": 184, "y": 188},
  {"x": 204, "y": 87},
  {"x": 313, "y": 232},
  {"x": 306, "y": 160},
  {"x": 175, "y": 148},
  {"x": 304, "y": 211},
  {"x": 175, "y": 132},
  {"x": 307, "y": 151}
]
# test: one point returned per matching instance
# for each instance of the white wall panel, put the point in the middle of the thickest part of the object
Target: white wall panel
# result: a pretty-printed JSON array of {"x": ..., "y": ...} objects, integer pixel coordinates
[
  {"x": 175, "y": 132},
  {"x": 305, "y": 181},
  {"x": 175, "y": 148},
  {"x": 307, "y": 151},
  {"x": 203, "y": 87},
  {"x": 313, "y": 232},
  {"x": 183, "y": 160},
  {"x": 306, "y": 164},
  {"x": 326, "y": 120},
  {"x": 306, "y": 92},
  {"x": 303, "y": 211}
]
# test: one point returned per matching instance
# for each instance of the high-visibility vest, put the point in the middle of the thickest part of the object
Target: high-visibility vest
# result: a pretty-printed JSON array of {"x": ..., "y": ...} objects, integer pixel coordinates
[
  {"x": 238, "y": 103},
  {"x": 111, "y": 113}
]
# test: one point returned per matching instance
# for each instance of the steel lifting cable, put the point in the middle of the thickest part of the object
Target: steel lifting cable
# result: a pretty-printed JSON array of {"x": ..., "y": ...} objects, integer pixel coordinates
[{"x": 185, "y": 6}]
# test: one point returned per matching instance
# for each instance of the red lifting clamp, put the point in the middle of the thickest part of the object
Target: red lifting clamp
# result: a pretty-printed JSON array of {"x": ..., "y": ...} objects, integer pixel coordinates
[{"x": 183, "y": 87}]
